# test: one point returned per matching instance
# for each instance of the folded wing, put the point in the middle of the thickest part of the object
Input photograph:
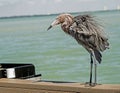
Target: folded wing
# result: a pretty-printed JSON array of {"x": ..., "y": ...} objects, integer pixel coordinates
[{"x": 89, "y": 34}]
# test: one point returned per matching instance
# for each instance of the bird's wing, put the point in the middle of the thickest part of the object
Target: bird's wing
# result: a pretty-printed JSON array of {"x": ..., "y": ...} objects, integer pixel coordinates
[
  {"x": 88, "y": 32},
  {"x": 87, "y": 25}
]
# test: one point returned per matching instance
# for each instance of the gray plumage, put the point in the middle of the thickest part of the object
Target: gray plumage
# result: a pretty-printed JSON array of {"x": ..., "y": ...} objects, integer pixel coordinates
[{"x": 89, "y": 34}]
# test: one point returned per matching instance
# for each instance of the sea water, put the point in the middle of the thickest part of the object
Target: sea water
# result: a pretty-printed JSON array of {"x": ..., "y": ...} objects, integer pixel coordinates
[{"x": 56, "y": 55}]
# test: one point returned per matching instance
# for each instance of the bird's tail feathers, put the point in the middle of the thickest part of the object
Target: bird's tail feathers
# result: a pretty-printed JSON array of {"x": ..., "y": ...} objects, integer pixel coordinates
[{"x": 98, "y": 56}]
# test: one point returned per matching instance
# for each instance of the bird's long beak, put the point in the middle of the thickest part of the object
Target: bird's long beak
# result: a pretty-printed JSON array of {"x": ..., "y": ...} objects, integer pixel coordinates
[
  {"x": 49, "y": 27},
  {"x": 56, "y": 22}
]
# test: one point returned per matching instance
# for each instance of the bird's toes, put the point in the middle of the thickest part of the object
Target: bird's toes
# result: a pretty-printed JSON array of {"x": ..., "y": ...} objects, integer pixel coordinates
[{"x": 88, "y": 84}]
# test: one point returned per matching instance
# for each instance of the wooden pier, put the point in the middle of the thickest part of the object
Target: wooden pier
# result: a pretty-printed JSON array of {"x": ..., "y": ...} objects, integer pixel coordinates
[{"x": 28, "y": 86}]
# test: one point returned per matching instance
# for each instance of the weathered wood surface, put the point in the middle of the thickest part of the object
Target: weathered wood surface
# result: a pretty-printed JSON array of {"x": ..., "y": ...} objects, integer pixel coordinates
[{"x": 26, "y": 86}]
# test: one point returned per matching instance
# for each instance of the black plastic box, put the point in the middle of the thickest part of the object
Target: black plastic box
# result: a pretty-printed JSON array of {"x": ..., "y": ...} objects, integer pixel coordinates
[{"x": 12, "y": 70}]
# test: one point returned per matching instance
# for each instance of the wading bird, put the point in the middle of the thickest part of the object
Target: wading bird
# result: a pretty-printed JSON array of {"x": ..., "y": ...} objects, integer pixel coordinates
[{"x": 88, "y": 33}]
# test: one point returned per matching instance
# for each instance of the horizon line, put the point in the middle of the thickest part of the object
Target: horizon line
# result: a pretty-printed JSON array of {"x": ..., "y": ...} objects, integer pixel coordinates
[{"x": 49, "y": 14}]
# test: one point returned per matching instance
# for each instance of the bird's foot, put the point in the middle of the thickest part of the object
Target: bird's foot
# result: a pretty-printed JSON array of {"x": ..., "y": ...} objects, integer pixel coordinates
[{"x": 88, "y": 84}]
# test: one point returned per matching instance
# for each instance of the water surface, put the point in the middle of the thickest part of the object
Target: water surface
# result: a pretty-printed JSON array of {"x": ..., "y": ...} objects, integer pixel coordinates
[{"x": 56, "y": 55}]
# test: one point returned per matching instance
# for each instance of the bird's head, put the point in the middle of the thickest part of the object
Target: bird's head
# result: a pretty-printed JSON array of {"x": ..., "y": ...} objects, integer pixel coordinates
[{"x": 61, "y": 19}]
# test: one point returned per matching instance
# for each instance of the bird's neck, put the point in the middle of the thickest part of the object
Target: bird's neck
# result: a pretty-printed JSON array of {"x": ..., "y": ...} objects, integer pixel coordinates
[{"x": 66, "y": 24}]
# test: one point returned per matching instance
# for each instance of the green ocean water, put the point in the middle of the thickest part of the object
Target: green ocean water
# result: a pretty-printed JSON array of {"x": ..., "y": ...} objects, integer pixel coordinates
[{"x": 56, "y": 55}]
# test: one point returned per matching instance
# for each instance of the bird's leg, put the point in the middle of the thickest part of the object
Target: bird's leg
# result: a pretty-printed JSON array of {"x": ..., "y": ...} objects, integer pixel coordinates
[
  {"x": 95, "y": 68},
  {"x": 93, "y": 60},
  {"x": 95, "y": 65},
  {"x": 91, "y": 67},
  {"x": 91, "y": 70}
]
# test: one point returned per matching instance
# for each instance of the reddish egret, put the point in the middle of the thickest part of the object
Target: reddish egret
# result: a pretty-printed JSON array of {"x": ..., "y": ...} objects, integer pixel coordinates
[{"x": 88, "y": 33}]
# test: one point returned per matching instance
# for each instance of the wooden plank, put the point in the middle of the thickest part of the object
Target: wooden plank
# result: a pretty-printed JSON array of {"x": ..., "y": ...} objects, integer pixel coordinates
[
  {"x": 23, "y": 86},
  {"x": 18, "y": 90}
]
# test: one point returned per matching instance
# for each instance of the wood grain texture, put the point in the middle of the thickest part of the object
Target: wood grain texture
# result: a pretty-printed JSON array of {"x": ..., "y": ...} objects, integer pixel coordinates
[{"x": 26, "y": 86}]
